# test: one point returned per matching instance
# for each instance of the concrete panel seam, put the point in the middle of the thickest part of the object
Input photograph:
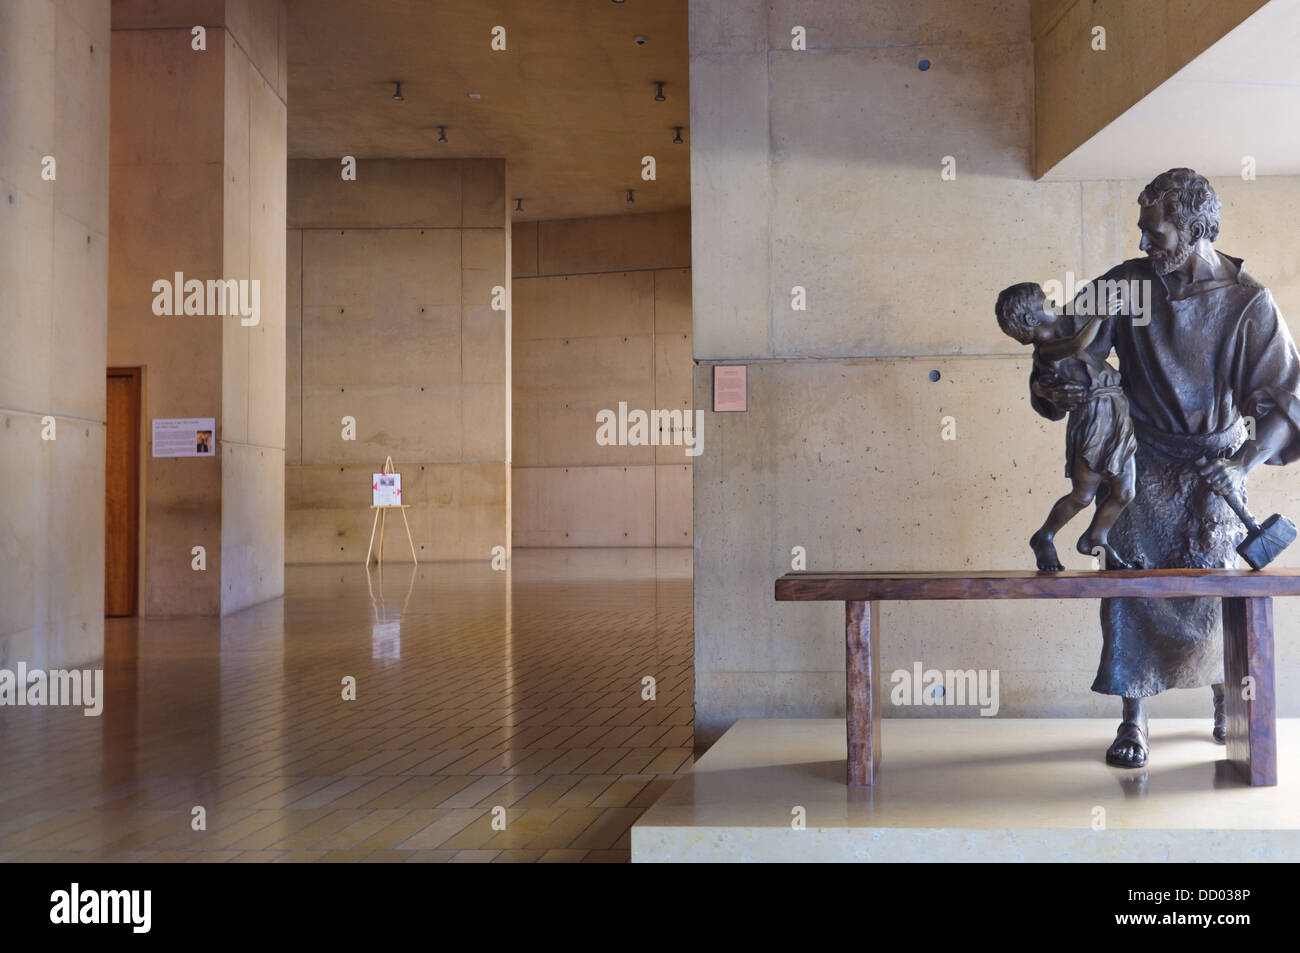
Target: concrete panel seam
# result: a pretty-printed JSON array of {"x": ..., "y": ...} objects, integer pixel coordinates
[
  {"x": 608, "y": 271},
  {"x": 408, "y": 462},
  {"x": 855, "y": 358},
  {"x": 253, "y": 446},
  {"x": 57, "y": 416},
  {"x": 932, "y": 45},
  {"x": 358, "y": 228}
]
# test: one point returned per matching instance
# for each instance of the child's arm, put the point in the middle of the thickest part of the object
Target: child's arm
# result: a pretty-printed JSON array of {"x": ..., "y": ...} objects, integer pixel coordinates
[{"x": 1067, "y": 347}]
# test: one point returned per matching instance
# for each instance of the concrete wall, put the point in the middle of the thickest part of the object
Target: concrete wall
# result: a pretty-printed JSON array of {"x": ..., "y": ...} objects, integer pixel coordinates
[
  {"x": 54, "y": 100},
  {"x": 602, "y": 315},
  {"x": 1079, "y": 89},
  {"x": 822, "y": 169},
  {"x": 253, "y": 358},
  {"x": 198, "y": 187},
  {"x": 390, "y": 282}
]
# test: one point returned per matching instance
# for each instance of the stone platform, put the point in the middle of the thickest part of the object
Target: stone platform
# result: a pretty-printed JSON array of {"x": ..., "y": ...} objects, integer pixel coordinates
[{"x": 974, "y": 789}]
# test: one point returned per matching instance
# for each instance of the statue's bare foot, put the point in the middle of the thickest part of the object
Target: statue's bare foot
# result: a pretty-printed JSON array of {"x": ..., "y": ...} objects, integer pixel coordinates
[
  {"x": 1045, "y": 553},
  {"x": 1220, "y": 720},
  {"x": 1110, "y": 559},
  {"x": 1129, "y": 749}
]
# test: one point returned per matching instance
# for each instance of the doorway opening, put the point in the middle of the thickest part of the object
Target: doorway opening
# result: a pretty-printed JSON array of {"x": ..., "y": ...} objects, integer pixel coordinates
[{"x": 122, "y": 493}]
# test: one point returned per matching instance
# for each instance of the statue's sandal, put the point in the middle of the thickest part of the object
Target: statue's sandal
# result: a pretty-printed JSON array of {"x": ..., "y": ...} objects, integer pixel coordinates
[{"x": 1130, "y": 736}]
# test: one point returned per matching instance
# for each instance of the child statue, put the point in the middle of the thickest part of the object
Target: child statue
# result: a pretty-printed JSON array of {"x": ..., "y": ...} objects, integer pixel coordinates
[{"x": 1099, "y": 441}]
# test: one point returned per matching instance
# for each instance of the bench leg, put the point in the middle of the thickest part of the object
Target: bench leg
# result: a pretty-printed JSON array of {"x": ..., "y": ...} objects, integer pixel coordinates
[
  {"x": 1252, "y": 721},
  {"x": 862, "y": 691}
]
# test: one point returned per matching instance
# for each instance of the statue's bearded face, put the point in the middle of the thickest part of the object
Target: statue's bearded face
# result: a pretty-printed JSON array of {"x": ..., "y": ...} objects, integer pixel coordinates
[{"x": 1167, "y": 245}]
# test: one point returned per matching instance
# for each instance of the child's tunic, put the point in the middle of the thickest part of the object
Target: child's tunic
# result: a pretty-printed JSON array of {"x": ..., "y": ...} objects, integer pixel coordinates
[{"x": 1099, "y": 431}]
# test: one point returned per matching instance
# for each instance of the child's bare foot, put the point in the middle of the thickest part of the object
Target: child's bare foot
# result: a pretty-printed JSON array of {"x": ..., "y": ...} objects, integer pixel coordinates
[
  {"x": 1045, "y": 553},
  {"x": 1109, "y": 558}
]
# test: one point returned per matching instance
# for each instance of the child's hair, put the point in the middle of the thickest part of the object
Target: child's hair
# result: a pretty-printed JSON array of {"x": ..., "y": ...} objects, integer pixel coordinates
[{"x": 1015, "y": 308}]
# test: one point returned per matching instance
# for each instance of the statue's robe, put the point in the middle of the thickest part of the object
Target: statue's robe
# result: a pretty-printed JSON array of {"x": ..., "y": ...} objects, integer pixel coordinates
[{"x": 1190, "y": 374}]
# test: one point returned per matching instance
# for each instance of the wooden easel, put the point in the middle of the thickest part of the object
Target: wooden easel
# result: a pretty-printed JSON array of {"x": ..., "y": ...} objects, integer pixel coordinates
[{"x": 382, "y": 524}]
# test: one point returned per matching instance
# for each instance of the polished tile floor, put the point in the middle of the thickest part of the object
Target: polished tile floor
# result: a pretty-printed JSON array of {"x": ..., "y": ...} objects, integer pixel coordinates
[{"x": 482, "y": 697}]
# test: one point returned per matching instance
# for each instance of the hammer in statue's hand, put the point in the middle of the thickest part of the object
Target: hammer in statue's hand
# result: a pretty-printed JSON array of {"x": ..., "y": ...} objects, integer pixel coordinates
[{"x": 1264, "y": 541}]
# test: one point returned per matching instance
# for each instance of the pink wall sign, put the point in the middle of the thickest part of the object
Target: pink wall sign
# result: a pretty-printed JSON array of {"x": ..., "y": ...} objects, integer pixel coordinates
[{"x": 729, "y": 388}]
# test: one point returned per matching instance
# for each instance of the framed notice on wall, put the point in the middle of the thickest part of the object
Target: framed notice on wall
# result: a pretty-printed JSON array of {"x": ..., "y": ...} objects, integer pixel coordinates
[
  {"x": 184, "y": 437},
  {"x": 729, "y": 388},
  {"x": 386, "y": 489}
]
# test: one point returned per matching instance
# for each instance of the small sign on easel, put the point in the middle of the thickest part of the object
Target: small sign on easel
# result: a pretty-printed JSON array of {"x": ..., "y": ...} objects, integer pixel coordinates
[{"x": 386, "y": 490}]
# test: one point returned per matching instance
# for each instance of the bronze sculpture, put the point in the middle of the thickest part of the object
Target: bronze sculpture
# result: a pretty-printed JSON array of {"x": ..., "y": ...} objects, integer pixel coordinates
[
  {"x": 1211, "y": 351},
  {"x": 1099, "y": 439}
]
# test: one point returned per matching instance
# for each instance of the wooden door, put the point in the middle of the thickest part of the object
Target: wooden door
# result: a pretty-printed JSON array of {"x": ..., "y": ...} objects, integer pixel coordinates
[{"x": 122, "y": 505}]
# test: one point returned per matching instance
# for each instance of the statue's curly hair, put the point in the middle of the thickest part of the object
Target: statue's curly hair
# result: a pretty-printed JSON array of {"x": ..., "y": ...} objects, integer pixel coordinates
[
  {"x": 1187, "y": 198},
  {"x": 1016, "y": 309}
]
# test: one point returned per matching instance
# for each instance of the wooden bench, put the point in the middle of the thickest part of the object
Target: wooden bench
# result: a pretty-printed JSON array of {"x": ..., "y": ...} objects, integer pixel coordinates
[{"x": 1247, "y": 637}]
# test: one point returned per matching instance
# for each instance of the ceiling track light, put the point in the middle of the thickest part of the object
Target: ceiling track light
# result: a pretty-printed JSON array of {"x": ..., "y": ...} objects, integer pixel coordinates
[
  {"x": 442, "y": 133},
  {"x": 519, "y": 205},
  {"x": 630, "y": 199},
  {"x": 659, "y": 92},
  {"x": 677, "y": 134},
  {"x": 397, "y": 96}
]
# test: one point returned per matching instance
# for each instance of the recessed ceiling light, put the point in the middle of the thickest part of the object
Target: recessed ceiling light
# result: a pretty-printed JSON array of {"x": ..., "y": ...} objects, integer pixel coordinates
[
  {"x": 475, "y": 96},
  {"x": 639, "y": 40}
]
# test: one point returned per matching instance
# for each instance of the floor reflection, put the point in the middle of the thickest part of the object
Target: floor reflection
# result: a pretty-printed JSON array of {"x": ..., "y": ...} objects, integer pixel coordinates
[
  {"x": 474, "y": 689},
  {"x": 386, "y": 626}
]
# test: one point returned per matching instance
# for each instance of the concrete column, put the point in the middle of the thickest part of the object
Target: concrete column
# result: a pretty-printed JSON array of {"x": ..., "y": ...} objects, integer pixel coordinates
[
  {"x": 198, "y": 187},
  {"x": 54, "y": 63}
]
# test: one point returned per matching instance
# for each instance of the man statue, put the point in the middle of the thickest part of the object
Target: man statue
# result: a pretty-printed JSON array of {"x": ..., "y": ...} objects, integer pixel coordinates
[{"x": 1209, "y": 349}]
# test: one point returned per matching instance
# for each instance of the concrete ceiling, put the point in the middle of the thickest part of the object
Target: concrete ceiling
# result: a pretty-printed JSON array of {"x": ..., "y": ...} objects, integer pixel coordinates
[
  {"x": 569, "y": 104},
  {"x": 1238, "y": 98}
]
